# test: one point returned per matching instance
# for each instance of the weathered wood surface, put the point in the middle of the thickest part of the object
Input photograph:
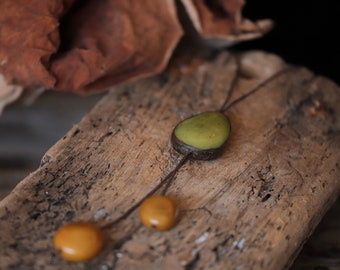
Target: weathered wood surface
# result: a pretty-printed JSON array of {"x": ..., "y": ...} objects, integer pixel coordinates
[{"x": 252, "y": 208}]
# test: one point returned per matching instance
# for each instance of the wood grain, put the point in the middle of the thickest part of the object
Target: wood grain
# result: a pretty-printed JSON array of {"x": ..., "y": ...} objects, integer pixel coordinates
[{"x": 253, "y": 208}]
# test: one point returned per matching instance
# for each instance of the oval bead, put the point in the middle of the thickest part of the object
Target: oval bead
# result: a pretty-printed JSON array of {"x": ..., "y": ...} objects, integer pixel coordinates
[
  {"x": 78, "y": 241},
  {"x": 158, "y": 212},
  {"x": 203, "y": 135}
]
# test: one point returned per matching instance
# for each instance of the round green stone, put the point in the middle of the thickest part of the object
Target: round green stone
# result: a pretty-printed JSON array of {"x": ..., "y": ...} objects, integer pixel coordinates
[{"x": 205, "y": 131}]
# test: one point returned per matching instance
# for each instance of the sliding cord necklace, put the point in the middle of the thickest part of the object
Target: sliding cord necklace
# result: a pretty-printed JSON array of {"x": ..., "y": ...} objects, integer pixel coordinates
[{"x": 200, "y": 137}]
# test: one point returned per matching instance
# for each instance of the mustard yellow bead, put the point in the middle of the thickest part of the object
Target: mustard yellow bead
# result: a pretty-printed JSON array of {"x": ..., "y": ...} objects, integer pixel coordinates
[
  {"x": 158, "y": 212},
  {"x": 78, "y": 241}
]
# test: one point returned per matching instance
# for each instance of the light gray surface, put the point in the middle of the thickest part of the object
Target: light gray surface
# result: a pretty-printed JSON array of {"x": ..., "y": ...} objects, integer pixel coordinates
[{"x": 27, "y": 132}]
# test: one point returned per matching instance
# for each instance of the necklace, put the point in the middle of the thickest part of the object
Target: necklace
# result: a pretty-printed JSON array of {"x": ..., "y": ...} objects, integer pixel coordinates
[{"x": 199, "y": 137}]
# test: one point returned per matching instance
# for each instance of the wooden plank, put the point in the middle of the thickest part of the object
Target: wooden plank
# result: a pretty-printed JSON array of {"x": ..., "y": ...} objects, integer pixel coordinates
[{"x": 252, "y": 208}]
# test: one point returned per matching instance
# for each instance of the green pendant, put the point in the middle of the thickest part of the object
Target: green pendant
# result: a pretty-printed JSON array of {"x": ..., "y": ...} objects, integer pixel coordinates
[{"x": 202, "y": 135}]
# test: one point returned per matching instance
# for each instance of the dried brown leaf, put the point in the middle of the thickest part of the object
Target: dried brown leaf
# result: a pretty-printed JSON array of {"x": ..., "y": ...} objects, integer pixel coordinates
[
  {"x": 220, "y": 22},
  {"x": 114, "y": 41},
  {"x": 89, "y": 46},
  {"x": 28, "y": 37}
]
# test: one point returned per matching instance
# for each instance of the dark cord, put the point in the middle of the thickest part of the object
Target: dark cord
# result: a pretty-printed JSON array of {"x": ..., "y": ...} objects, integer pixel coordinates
[
  {"x": 232, "y": 87},
  {"x": 166, "y": 180},
  {"x": 257, "y": 88}
]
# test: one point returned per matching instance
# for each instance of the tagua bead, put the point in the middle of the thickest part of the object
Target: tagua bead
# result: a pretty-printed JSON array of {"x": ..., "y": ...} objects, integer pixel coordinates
[
  {"x": 158, "y": 212},
  {"x": 78, "y": 241},
  {"x": 202, "y": 135}
]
